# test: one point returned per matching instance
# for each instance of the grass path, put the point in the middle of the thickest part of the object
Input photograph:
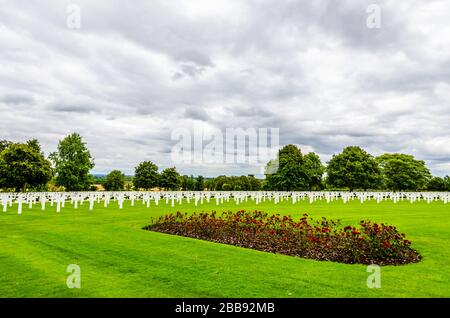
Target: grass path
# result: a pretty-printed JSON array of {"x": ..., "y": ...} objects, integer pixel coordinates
[{"x": 119, "y": 259}]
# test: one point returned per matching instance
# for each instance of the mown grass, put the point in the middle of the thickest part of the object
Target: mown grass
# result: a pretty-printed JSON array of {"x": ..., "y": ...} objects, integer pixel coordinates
[{"x": 119, "y": 259}]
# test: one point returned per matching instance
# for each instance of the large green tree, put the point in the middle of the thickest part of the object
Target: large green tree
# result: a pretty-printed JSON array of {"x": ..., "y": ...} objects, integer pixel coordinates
[
  {"x": 293, "y": 171},
  {"x": 314, "y": 170},
  {"x": 170, "y": 179},
  {"x": 403, "y": 172},
  {"x": 354, "y": 168},
  {"x": 73, "y": 161},
  {"x": 114, "y": 181},
  {"x": 146, "y": 175},
  {"x": 34, "y": 144},
  {"x": 23, "y": 166},
  {"x": 4, "y": 144}
]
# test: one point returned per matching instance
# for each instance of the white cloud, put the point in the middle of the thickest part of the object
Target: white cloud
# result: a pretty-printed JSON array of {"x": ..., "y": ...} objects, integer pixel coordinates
[{"x": 137, "y": 70}]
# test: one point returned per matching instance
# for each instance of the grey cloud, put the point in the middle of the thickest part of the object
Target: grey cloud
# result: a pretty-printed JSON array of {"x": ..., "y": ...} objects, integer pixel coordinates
[
  {"x": 251, "y": 111},
  {"x": 196, "y": 57},
  {"x": 68, "y": 108},
  {"x": 189, "y": 69},
  {"x": 196, "y": 113},
  {"x": 17, "y": 99}
]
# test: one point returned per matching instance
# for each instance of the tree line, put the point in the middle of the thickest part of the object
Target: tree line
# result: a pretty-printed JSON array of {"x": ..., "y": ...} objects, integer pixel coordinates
[
  {"x": 23, "y": 166},
  {"x": 352, "y": 169}
]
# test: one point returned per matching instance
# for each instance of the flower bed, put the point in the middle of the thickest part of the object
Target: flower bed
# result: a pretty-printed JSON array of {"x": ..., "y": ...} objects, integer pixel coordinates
[{"x": 369, "y": 243}]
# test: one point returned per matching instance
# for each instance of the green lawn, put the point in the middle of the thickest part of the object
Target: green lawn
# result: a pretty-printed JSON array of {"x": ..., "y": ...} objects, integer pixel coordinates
[{"x": 119, "y": 259}]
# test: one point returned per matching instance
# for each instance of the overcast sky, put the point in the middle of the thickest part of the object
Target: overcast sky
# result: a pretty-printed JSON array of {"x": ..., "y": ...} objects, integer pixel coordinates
[{"x": 136, "y": 70}]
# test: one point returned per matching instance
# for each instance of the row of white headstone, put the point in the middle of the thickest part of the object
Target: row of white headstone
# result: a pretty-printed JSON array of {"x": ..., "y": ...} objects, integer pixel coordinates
[{"x": 199, "y": 197}]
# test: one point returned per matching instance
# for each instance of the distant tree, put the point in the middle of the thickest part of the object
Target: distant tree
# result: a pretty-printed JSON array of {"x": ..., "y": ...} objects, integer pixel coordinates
[
  {"x": 73, "y": 161},
  {"x": 354, "y": 168},
  {"x": 200, "y": 183},
  {"x": 99, "y": 179},
  {"x": 23, "y": 166},
  {"x": 237, "y": 183},
  {"x": 115, "y": 181},
  {"x": 146, "y": 175},
  {"x": 170, "y": 179},
  {"x": 226, "y": 183},
  {"x": 233, "y": 183},
  {"x": 210, "y": 184},
  {"x": 403, "y": 172},
  {"x": 447, "y": 183},
  {"x": 51, "y": 186},
  {"x": 255, "y": 184},
  {"x": 226, "y": 187},
  {"x": 220, "y": 181},
  {"x": 187, "y": 183},
  {"x": 128, "y": 185},
  {"x": 437, "y": 184}
]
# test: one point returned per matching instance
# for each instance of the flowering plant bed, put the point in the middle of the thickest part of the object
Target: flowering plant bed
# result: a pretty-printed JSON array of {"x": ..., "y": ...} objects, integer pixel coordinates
[{"x": 369, "y": 243}]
